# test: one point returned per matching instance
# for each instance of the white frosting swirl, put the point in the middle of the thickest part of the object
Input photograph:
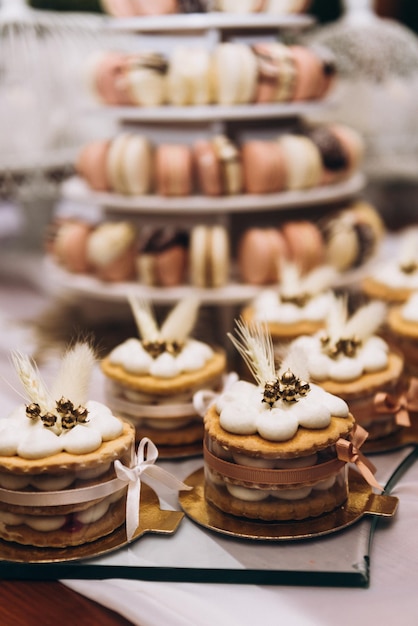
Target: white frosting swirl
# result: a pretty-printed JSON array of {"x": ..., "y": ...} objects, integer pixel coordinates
[
  {"x": 269, "y": 307},
  {"x": 410, "y": 308},
  {"x": 134, "y": 359},
  {"x": 242, "y": 412},
  {"x": 30, "y": 439},
  {"x": 371, "y": 356},
  {"x": 391, "y": 274}
]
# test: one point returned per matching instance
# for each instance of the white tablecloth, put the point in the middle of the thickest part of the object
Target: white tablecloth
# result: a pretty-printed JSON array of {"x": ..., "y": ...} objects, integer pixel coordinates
[{"x": 390, "y": 599}]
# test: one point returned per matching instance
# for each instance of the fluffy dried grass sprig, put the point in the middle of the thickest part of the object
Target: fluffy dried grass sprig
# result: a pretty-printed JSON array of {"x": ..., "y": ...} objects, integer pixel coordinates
[
  {"x": 255, "y": 345},
  {"x": 177, "y": 326}
]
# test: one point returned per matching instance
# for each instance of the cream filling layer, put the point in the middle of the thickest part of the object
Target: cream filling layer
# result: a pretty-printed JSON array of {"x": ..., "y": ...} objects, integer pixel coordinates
[
  {"x": 50, "y": 523},
  {"x": 49, "y": 482},
  {"x": 258, "y": 495}
]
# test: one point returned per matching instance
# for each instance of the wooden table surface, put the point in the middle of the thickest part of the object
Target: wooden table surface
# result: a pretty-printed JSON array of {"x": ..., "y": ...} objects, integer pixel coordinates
[{"x": 50, "y": 603}]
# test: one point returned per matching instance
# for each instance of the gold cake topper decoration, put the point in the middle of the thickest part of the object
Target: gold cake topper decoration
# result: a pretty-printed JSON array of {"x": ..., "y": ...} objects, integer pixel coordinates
[
  {"x": 255, "y": 345},
  {"x": 72, "y": 381}
]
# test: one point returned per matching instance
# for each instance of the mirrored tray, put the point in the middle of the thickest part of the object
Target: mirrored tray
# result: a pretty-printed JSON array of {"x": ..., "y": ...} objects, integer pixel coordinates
[
  {"x": 196, "y": 554},
  {"x": 77, "y": 190}
]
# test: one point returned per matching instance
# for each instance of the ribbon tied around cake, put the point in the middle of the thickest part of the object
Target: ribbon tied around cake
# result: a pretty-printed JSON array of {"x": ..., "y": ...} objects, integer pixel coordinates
[
  {"x": 349, "y": 451},
  {"x": 400, "y": 404},
  {"x": 143, "y": 467}
]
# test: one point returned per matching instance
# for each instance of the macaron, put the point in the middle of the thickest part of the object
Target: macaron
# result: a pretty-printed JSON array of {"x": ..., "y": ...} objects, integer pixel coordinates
[
  {"x": 70, "y": 246},
  {"x": 264, "y": 167},
  {"x": 112, "y": 250},
  {"x": 209, "y": 255},
  {"x": 239, "y": 6},
  {"x": 118, "y": 8},
  {"x": 91, "y": 164},
  {"x": 188, "y": 77},
  {"x": 163, "y": 258},
  {"x": 130, "y": 8},
  {"x": 309, "y": 73},
  {"x": 303, "y": 162},
  {"x": 156, "y": 7},
  {"x": 286, "y": 7},
  {"x": 233, "y": 73},
  {"x": 353, "y": 144},
  {"x": 218, "y": 167},
  {"x": 259, "y": 254},
  {"x": 352, "y": 235},
  {"x": 305, "y": 244},
  {"x": 146, "y": 78},
  {"x": 334, "y": 155},
  {"x": 109, "y": 78},
  {"x": 276, "y": 76},
  {"x": 129, "y": 164},
  {"x": 173, "y": 165}
]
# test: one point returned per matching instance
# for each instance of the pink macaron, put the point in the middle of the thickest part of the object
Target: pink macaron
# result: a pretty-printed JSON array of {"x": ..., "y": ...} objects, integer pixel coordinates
[
  {"x": 264, "y": 167},
  {"x": 309, "y": 73},
  {"x": 305, "y": 244},
  {"x": 173, "y": 166},
  {"x": 91, "y": 164},
  {"x": 118, "y": 8},
  {"x": 70, "y": 246},
  {"x": 130, "y": 8},
  {"x": 109, "y": 79},
  {"x": 259, "y": 254}
]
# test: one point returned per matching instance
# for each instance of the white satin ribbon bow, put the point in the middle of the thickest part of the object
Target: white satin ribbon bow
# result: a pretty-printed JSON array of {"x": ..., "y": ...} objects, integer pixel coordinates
[
  {"x": 142, "y": 467},
  {"x": 204, "y": 398}
]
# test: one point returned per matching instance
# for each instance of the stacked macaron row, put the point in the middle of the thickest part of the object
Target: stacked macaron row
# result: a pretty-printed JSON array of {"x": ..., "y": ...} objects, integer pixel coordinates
[
  {"x": 232, "y": 73},
  {"x": 205, "y": 257},
  {"x": 344, "y": 240},
  {"x": 129, "y": 164},
  {"x": 161, "y": 257},
  {"x": 132, "y": 8}
]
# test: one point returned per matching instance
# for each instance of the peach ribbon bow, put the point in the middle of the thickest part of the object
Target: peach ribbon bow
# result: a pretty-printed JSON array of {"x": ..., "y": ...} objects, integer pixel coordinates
[
  {"x": 349, "y": 451},
  {"x": 399, "y": 404}
]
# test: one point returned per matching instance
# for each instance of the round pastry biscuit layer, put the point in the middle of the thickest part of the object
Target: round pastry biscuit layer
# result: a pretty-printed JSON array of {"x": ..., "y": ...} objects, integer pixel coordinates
[
  {"x": 304, "y": 442},
  {"x": 285, "y": 332},
  {"x": 213, "y": 369},
  {"x": 375, "y": 289},
  {"x": 317, "y": 503}
]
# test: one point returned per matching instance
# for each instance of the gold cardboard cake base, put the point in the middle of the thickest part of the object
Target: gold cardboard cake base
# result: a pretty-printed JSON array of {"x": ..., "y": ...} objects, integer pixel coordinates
[
  {"x": 361, "y": 501},
  {"x": 152, "y": 519}
]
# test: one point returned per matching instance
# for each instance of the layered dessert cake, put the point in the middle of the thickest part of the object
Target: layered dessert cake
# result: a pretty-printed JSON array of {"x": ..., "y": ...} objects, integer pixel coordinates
[
  {"x": 396, "y": 278},
  {"x": 298, "y": 305},
  {"x": 277, "y": 449},
  {"x": 151, "y": 379},
  {"x": 402, "y": 325},
  {"x": 350, "y": 359},
  {"x": 57, "y": 455}
]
